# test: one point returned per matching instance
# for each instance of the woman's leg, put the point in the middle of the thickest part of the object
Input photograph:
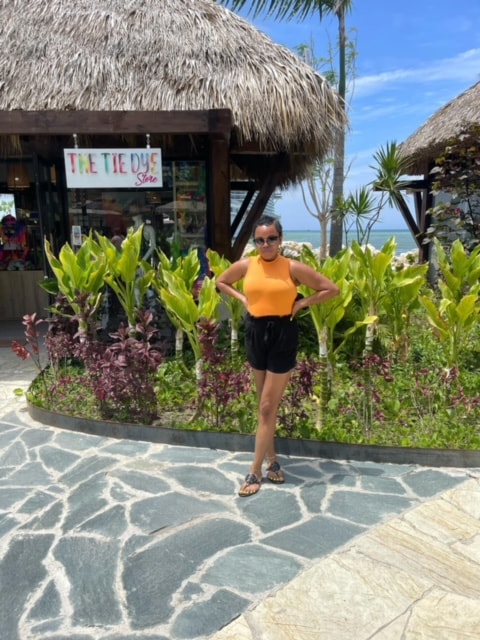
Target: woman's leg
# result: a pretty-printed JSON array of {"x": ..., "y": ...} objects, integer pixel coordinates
[{"x": 270, "y": 388}]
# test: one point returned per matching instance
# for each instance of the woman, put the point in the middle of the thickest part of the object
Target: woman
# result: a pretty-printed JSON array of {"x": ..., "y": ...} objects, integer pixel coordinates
[{"x": 271, "y": 299}]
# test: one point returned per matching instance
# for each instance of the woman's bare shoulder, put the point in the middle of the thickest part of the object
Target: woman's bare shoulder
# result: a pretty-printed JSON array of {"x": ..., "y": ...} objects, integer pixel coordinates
[{"x": 235, "y": 271}]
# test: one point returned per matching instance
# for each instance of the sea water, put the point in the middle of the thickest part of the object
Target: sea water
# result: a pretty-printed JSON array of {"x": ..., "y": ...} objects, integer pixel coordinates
[{"x": 403, "y": 237}]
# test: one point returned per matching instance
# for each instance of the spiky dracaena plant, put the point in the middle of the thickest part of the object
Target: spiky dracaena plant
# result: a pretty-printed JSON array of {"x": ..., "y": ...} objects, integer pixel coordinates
[
  {"x": 80, "y": 277},
  {"x": 126, "y": 274},
  {"x": 186, "y": 270},
  {"x": 219, "y": 264},
  {"x": 326, "y": 317},
  {"x": 186, "y": 304}
]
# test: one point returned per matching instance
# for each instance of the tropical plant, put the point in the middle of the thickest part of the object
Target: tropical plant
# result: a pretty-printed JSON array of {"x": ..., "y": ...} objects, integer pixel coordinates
[
  {"x": 368, "y": 270},
  {"x": 295, "y": 412},
  {"x": 80, "y": 277},
  {"x": 218, "y": 264},
  {"x": 225, "y": 385},
  {"x": 400, "y": 302},
  {"x": 122, "y": 375},
  {"x": 126, "y": 275},
  {"x": 386, "y": 296},
  {"x": 184, "y": 304},
  {"x": 360, "y": 210},
  {"x": 31, "y": 350},
  {"x": 339, "y": 8},
  {"x": 457, "y": 313},
  {"x": 186, "y": 269},
  {"x": 376, "y": 283},
  {"x": 326, "y": 317},
  {"x": 389, "y": 168}
]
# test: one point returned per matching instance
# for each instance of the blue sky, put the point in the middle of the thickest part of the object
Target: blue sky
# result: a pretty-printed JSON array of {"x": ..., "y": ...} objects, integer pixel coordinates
[{"x": 412, "y": 58}]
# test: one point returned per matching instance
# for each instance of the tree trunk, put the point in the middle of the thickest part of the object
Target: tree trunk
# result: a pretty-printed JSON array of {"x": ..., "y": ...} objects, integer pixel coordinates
[
  {"x": 324, "y": 380},
  {"x": 336, "y": 227}
]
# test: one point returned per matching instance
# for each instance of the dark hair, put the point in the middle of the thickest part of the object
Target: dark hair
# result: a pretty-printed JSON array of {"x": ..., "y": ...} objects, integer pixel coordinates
[{"x": 267, "y": 221}]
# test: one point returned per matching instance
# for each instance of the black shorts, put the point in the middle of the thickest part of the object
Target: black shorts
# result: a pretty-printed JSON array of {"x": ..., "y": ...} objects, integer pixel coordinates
[{"x": 271, "y": 343}]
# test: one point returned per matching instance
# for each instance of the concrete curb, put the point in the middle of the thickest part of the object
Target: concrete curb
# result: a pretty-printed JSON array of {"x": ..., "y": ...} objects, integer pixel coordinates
[{"x": 243, "y": 442}]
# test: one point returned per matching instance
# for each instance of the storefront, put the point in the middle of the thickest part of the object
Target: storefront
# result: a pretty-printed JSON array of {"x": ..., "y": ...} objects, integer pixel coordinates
[
  {"x": 176, "y": 210},
  {"x": 69, "y": 191},
  {"x": 229, "y": 109},
  {"x": 21, "y": 242}
]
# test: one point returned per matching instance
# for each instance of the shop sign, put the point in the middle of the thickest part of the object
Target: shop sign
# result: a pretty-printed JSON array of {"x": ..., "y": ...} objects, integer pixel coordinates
[{"x": 119, "y": 168}]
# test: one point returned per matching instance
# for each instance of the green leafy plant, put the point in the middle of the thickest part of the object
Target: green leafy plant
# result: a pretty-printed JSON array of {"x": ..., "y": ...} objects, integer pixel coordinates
[
  {"x": 125, "y": 274},
  {"x": 422, "y": 395},
  {"x": 80, "y": 277},
  {"x": 385, "y": 299},
  {"x": 369, "y": 272},
  {"x": 400, "y": 301},
  {"x": 326, "y": 317},
  {"x": 218, "y": 264},
  {"x": 185, "y": 271},
  {"x": 456, "y": 314},
  {"x": 176, "y": 289}
]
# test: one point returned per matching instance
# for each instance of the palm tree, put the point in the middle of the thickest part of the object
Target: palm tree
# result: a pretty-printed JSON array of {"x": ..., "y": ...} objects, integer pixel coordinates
[{"x": 300, "y": 10}]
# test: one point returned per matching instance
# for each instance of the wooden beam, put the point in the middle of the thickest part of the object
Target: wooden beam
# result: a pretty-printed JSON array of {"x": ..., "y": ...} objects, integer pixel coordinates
[
  {"x": 256, "y": 210},
  {"x": 219, "y": 197},
  {"x": 423, "y": 200},
  {"x": 278, "y": 167},
  {"x": 416, "y": 185},
  {"x": 244, "y": 185},
  {"x": 209, "y": 122},
  {"x": 426, "y": 202},
  {"x": 243, "y": 207},
  {"x": 220, "y": 123},
  {"x": 418, "y": 200},
  {"x": 407, "y": 215}
]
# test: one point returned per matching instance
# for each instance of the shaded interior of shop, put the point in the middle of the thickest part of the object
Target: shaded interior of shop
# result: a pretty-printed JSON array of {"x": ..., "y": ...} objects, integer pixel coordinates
[{"x": 190, "y": 209}]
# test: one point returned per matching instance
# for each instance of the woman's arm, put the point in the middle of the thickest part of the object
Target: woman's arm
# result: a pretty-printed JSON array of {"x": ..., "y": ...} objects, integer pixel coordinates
[
  {"x": 325, "y": 289},
  {"x": 228, "y": 278}
]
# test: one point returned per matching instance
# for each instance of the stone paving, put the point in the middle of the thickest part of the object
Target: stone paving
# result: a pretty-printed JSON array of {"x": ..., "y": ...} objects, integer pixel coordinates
[{"x": 113, "y": 539}]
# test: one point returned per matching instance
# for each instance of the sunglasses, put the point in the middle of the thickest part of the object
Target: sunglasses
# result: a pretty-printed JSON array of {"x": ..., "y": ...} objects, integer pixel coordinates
[{"x": 261, "y": 242}]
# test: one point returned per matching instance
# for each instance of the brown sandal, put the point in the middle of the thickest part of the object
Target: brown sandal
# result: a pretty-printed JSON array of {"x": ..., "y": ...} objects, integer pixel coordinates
[
  {"x": 250, "y": 479},
  {"x": 275, "y": 468}
]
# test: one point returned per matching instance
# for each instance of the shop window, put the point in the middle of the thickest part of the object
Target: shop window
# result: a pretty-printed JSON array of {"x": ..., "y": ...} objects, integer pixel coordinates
[
  {"x": 20, "y": 238},
  {"x": 177, "y": 212}
]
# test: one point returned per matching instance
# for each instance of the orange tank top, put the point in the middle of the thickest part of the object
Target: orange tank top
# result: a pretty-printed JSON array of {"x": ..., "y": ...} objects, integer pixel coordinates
[{"x": 269, "y": 287}]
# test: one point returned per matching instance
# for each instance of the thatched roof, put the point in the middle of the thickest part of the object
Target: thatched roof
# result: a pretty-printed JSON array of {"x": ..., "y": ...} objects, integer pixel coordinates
[
  {"x": 164, "y": 55},
  {"x": 426, "y": 144}
]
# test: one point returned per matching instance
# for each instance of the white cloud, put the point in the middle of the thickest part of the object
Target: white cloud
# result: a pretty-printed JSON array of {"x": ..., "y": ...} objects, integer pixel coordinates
[{"x": 464, "y": 67}]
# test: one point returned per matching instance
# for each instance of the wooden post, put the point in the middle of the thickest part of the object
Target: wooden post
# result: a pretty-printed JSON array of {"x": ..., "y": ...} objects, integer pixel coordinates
[{"x": 220, "y": 237}]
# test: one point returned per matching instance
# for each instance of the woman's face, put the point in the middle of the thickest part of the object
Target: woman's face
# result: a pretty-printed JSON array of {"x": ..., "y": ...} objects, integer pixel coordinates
[{"x": 267, "y": 241}]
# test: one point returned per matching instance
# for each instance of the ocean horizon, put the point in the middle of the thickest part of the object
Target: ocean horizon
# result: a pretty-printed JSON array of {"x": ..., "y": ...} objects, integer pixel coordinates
[{"x": 403, "y": 237}]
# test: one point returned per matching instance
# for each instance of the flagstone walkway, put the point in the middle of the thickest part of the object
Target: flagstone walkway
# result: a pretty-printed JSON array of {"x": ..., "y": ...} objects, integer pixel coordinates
[{"x": 121, "y": 539}]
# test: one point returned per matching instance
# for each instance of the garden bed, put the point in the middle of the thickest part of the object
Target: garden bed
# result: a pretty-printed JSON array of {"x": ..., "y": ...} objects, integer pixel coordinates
[{"x": 245, "y": 442}]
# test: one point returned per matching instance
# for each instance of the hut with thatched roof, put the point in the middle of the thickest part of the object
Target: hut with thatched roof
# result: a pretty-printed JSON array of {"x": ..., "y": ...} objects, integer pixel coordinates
[
  {"x": 228, "y": 108},
  {"x": 422, "y": 147},
  {"x": 453, "y": 119}
]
